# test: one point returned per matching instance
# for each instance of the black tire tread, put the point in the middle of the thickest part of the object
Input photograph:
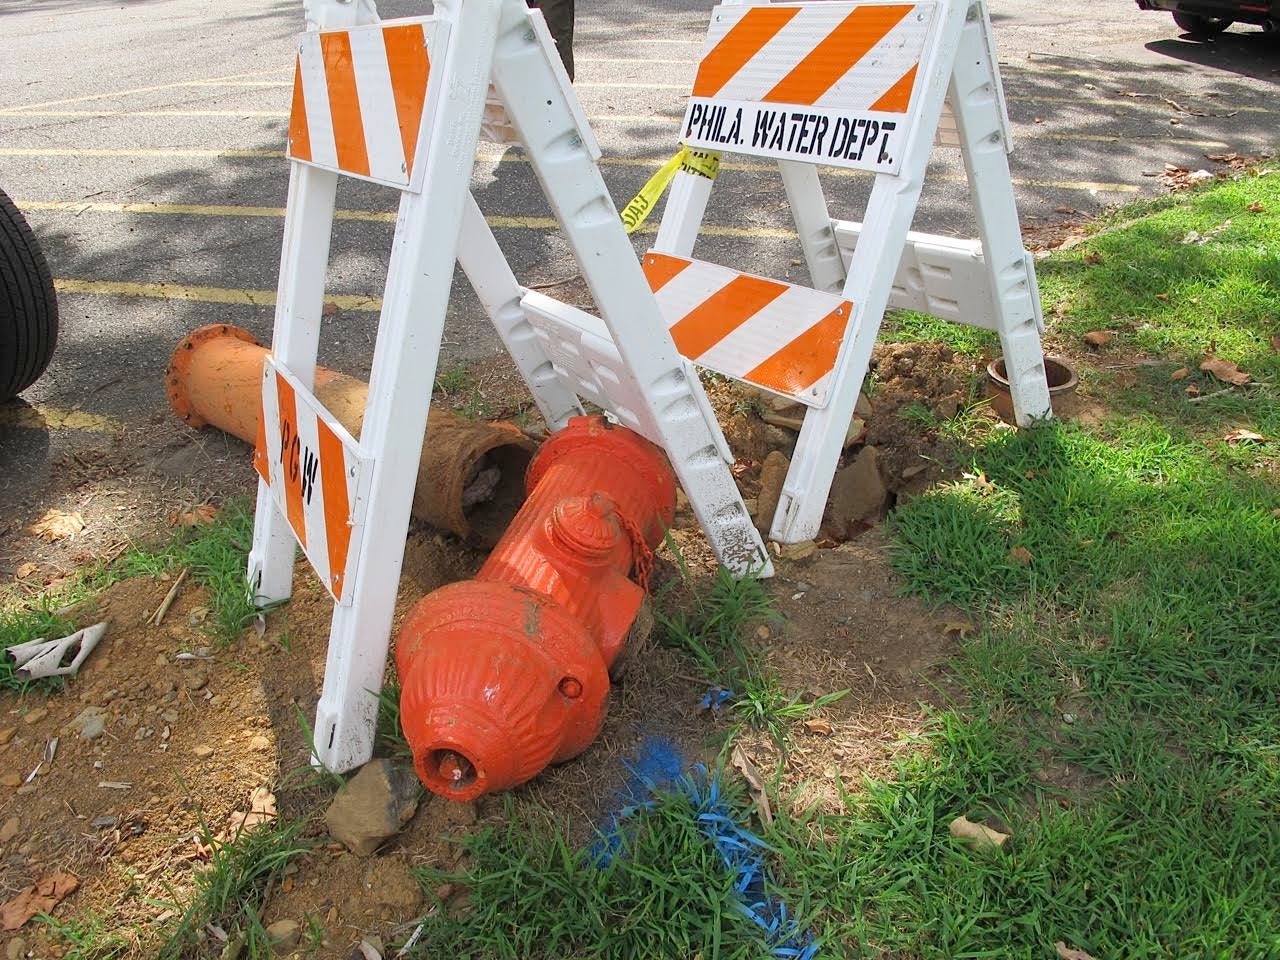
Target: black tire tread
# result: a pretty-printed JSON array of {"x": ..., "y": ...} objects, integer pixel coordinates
[
  {"x": 28, "y": 306},
  {"x": 1200, "y": 26}
]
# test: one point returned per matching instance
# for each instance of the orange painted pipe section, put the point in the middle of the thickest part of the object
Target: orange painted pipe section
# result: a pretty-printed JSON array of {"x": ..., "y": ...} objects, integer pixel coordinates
[
  {"x": 507, "y": 673},
  {"x": 215, "y": 378}
]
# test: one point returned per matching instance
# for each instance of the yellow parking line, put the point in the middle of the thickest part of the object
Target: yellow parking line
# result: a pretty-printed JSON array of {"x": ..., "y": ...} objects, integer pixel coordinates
[
  {"x": 1227, "y": 109},
  {"x": 147, "y": 113},
  {"x": 1089, "y": 186},
  {"x": 53, "y": 418},
  {"x": 134, "y": 152},
  {"x": 199, "y": 294},
  {"x": 135, "y": 90},
  {"x": 368, "y": 216}
]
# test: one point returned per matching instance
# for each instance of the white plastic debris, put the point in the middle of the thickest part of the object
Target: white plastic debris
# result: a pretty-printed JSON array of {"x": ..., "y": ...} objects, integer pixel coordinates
[{"x": 49, "y": 658}]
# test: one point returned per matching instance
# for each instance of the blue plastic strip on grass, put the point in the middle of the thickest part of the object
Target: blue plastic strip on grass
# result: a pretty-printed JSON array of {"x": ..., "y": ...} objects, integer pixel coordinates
[{"x": 656, "y": 768}]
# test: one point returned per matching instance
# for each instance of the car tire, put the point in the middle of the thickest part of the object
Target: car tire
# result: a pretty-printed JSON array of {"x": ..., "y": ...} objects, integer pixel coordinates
[
  {"x": 28, "y": 307},
  {"x": 1199, "y": 26}
]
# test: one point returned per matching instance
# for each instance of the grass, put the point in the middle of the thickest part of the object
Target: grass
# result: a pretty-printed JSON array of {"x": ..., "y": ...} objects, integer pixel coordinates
[
  {"x": 85, "y": 938},
  {"x": 711, "y": 626},
  {"x": 229, "y": 893},
  {"x": 663, "y": 891}
]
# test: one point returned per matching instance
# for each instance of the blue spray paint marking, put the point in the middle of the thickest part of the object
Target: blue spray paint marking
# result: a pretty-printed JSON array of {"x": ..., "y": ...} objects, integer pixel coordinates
[
  {"x": 715, "y": 699},
  {"x": 657, "y": 768}
]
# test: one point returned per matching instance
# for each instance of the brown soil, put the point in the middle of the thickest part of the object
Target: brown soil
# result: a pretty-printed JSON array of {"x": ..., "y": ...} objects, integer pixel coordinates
[{"x": 190, "y": 740}]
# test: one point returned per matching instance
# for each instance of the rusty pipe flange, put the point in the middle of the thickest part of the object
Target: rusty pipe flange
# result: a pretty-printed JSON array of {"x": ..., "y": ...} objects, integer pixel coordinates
[
  {"x": 176, "y": 374},
  {"x": 472, "y": 476}
]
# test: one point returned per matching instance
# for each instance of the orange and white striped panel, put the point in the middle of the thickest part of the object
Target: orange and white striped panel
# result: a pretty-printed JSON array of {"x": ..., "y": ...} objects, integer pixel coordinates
[
  {"x": 778, "y": 336},
  {"x": 359, "y": 97},
  {"x": 317, "y": 476},
  {"x": 831, "y": 83}
]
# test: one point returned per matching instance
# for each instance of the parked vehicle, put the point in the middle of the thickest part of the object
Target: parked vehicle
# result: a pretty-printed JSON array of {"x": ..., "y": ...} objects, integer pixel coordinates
[
  {"x": 28, "y": 307},
  {"x": 1204, "y": 18}
]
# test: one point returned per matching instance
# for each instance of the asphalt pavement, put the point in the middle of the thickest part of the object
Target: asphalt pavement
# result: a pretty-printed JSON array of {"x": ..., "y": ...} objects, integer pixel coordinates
[{"x": 144, "y": 142}]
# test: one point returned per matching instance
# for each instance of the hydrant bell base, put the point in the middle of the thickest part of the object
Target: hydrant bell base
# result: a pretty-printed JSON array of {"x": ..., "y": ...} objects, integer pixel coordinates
[{"x": 507, "y": 673}]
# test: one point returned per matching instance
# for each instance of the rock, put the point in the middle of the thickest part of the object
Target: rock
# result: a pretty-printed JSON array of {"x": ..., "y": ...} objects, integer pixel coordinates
[
  {"x": 858, "y": 492},
  {"x": 16, "y": 949},
  {"x": 202, "y": 752},
  {"x": 169, "y": 716},
  {"x": 390, "y": 883},
  {"x": 789, "y": 421},
  {"x": 91, "y": 721},
  {"x": 795, "y": 551},
  {"x": 284, "y": 934},
  {"x": 7, "y": 734},
  {"x": 197, "y": 679},
  {"x": 10, "y": 829},
  {"x": 776, "y": 438},
  {"x": 373, "y": 806},
  {"x": 260, "y": 743},
  {"x": 863, "y": 407},
  {"x": 857, "y": 430},
  {"x": 773, "y": 472},
  {"x": 35, "y": 716}
]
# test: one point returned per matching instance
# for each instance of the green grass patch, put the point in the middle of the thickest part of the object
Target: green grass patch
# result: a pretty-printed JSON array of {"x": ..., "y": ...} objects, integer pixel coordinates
[
  {"x": 1192, "y": 275},
  {"x": 229, "y": 892},
  {"x": 711, "y": 626},
  {"x": 664, "y": 892}
]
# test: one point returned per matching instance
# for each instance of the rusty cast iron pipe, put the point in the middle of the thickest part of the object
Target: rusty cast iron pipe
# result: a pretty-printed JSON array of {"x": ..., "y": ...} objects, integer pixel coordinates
[
  {"x": 507, "y": 673},
  {"x": 470, "y": 476}
]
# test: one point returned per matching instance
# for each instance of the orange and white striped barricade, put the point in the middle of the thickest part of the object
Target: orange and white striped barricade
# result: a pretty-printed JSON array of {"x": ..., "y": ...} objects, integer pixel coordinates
[
  {"x": 867, "y": 86},
  {"x": 401, "y": 103}
]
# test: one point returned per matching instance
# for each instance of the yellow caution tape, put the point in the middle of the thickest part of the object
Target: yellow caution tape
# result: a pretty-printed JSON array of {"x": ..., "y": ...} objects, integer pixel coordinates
[{"x": 704, "y": 163}]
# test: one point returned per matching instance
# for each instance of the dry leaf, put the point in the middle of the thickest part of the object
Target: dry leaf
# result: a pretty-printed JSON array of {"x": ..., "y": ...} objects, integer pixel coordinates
[
  {"x": 1092, "y": 257},
  {"x": 1162, "y": 296},
  {"x": 961, "y": 628},
  {"x": 1066, "y": 211},
  {"x": 1275, "y": 344},
  {"x": 262, "y": 809},
  {"x": 56, "y": 525},
  {"x": 819, "y": 726},
  {"x": 1192, "y": 390},
  {"x": 24, "y": 570},
  {"x": 1256, "y": 208},
  {"x": 755, "y": 783},
  {"x": 977, "y": 835},
  {"x": 1020, "y": 555},
  {"x": 329, "y": 309},
  {"x": 1070, "y": 953},
  {"x": 1180, "y": 374},
  {"x": 1226, "y": 371},
  {"x": 1244, "y": 436},
  {"x": 1098, "y": 338},
  {"x": 40, "y": 897},
  {"x": 205, "y": 513}
]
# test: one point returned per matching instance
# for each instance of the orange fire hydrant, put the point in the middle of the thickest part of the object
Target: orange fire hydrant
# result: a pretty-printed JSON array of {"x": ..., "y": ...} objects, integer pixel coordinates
[{"x": 507, "y": 673}]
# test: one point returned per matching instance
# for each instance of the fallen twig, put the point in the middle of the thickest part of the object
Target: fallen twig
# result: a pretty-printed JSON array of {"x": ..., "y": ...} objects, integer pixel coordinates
[{"x": 169, "y": 597}]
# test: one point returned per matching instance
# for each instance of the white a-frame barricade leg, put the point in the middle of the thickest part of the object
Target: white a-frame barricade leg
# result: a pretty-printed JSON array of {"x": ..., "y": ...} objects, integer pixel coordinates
[
  {"x": 863, "y": 85},
  {"x": 400, "y": 103}
]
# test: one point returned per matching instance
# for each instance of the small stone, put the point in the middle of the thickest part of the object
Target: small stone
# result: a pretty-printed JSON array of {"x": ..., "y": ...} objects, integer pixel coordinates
[
  {"x": 7, "y": 734},
  {"x": 863, "y": 407},
  {"x": 163, "y": 686},
  {"x": 858, "y": 492},
  {"x": 763, "y": 632},
  {"x": 773, "y": 473},
  {"x": 260, "y": 743},
  {"x": 202, "y": 752},
  {"x": 1068, "y": 718},
  {"x": 10, "y": 829},
  {"x": 856, "y": 431},
  {"x": 16, "y": 949},
  {"x": 796, "y": 551},
  {"x": 169, "y": 716},
  {"x": 284, "y": 934},
  {"x": 35, "y": 716},
  {"x": 793, "y": 421},
  {"x": 373, "y": 806},
  {"x": 91, "y": 721},
  {"x": 197, "y": 679},
  {"x": 778, "y": 438},
  {"x": 10, "y": 780}
]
